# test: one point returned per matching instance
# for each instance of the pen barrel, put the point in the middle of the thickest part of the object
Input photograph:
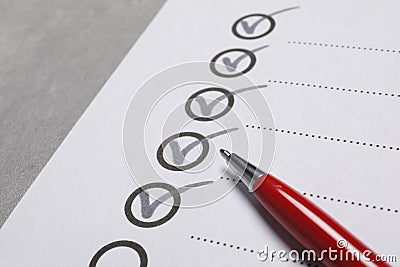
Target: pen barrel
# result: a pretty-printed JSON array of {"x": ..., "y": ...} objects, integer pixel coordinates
[{"x": 313, "y": 228}]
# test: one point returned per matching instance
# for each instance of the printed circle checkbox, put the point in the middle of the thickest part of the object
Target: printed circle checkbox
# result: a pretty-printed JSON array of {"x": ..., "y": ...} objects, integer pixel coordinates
[
  {"x": 228, "y": 95},
  {"x": 243, "y": 23},
  {"x": 205, "y": 149},
  {"x": 144, "y": 224},
  {"x": 124, "y": 244},
  {"x": 246, "y": 52}
]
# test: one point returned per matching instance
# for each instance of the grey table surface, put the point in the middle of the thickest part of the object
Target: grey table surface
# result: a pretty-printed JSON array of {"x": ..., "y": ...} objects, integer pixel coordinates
[{"x": 55, "y": 56}]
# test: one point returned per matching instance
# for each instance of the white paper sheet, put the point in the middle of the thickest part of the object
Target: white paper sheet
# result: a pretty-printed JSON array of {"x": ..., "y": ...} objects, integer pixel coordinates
[{"x": 333, "y": 89}]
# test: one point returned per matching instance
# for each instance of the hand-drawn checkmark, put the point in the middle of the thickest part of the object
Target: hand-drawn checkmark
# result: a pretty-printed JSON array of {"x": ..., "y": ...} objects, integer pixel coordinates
[
  {"x": 250, "y": 29},
  {"x": 206, "y": 109},
  {"x": 147, "y": 210},
  {"x": 178, "y": 154},
  {"x": 283, "y": 10},
  {"x": 231, "y": 66}
]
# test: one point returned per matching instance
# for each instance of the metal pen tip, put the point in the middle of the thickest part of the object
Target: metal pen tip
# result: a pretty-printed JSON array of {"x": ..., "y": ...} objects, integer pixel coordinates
[{"x": 225, "y": 154}]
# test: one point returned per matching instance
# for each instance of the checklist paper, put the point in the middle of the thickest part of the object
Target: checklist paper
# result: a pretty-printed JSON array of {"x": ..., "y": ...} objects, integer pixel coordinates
[{"x": 327, "y": 72}]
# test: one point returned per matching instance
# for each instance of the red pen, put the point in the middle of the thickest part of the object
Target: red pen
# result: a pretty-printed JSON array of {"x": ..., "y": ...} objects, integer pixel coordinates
[{"x": 313, "y": 228}]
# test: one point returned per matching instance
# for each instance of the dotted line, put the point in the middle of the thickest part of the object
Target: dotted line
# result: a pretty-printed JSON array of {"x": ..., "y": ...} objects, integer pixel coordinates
[
  {"x": 342, "y": 89},
  {"x": 235, "y": 247},
  {"x": 223, "y": 244},
  {"x": 363, "y": 48},
  {"x": 231, "y": 179},
  {"x": 338, "y": 200},
  {"x": 327, "y": 138},
  {"x": 359, "y": 204}
]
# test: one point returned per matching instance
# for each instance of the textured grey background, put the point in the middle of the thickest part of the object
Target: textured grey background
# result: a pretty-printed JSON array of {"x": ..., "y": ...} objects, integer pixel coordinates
[{"x": 55, "y": 55}]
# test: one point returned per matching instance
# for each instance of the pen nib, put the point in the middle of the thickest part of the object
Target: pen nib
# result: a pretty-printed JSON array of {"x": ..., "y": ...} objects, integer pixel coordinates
[{"x": 225, "y": 154}]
